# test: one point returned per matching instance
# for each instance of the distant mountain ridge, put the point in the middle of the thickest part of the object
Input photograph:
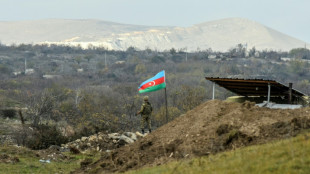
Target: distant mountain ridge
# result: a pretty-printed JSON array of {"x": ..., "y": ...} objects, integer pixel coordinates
[{"x": 219, "y": 35}]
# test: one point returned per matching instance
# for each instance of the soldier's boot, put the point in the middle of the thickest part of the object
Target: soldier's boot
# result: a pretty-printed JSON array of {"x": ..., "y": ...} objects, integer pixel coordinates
[
  {"x": 142, "y": 130},
  {"x": 150, "y": 130}
]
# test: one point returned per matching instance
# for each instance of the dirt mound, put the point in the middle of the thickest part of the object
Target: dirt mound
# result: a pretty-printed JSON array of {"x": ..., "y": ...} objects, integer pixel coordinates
[{"x": 210, "y": 128}]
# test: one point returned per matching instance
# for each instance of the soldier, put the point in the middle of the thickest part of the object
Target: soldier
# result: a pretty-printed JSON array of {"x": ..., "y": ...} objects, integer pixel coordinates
[{"x": 146, "y": 111}]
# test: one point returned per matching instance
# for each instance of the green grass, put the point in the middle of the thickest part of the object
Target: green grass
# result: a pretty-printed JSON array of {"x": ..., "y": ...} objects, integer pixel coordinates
[
  {"x": 29, "y": 162},
  {"x": 284, "y": 156}
]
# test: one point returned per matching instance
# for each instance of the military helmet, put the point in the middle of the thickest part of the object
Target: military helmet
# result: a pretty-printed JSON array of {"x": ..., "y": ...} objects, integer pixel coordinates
[{"x": 146, "y": 98}]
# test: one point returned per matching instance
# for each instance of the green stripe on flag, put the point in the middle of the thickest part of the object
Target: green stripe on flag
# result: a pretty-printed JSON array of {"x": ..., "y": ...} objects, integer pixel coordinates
[{"x": 153, "y": 88}]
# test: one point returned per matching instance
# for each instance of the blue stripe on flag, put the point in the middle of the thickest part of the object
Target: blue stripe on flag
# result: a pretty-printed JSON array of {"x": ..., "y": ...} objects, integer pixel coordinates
[{"x": 157, "y": 76}]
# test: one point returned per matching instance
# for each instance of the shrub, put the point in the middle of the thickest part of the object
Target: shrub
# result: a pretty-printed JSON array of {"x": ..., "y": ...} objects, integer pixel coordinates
[
  {"x": 41, "y": 137},
  {"x": 8, "y": 113}
]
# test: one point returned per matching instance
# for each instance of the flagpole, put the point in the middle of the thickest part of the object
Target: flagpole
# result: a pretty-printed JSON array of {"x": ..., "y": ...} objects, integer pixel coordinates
[{"x": 166, "y": 106}]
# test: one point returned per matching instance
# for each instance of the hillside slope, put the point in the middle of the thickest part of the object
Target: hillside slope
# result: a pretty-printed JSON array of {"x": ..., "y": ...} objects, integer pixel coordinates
[
  {"x": 283, "y": 156},
  {"x": 219, "y": 35},
  {"x": 212, "y": 127}
]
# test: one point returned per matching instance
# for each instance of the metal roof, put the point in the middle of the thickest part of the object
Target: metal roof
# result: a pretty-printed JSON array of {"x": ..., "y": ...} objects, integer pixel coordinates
[{"x": 254, "y": 87}]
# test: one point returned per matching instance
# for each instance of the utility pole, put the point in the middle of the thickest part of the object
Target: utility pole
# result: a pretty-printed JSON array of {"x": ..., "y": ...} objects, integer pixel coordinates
[
  {"x": 105, "y": 60},
  {"x": 25, "y": 64},
  {"x": 166, "y": 105},
  {"x": 77, "y": 97},
  {"x": 186, "y": 56}
]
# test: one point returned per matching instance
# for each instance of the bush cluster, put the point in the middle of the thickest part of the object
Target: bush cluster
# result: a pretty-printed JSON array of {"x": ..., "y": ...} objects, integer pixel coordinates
[
  {"x": 8, "y": 113},
  {"x": 40, "y": 137}
]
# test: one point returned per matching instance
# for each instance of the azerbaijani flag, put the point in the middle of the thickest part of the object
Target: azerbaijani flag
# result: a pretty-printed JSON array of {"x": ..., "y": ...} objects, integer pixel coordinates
[{"x": 153, "y": 84}]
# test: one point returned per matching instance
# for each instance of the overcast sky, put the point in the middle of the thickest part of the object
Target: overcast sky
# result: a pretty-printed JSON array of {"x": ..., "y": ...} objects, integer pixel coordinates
[{"x": 291, "y": 17}]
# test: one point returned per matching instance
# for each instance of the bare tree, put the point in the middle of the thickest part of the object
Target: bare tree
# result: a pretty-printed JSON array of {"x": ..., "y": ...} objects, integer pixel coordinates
[{"x": 41, "y": 106}]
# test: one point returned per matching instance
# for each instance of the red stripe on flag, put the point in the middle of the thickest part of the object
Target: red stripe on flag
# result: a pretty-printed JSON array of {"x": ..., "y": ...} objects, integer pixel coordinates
[{"x": 153, "y": 83}]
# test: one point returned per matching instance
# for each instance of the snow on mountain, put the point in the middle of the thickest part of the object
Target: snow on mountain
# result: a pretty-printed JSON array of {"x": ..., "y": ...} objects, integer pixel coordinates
[{"x": 219, "y": 35}]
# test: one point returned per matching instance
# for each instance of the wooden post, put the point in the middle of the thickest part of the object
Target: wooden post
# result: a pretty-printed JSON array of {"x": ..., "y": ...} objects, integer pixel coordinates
[
  {"x": 268, "y": 100},
  {"x": 213, "y": 90},
  {"x": 290, "y": 93},
  {"x": 166, "y": 106}
]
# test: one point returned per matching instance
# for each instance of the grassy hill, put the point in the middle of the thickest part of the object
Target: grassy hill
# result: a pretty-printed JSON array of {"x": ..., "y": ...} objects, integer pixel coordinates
[{"x": 284, "y": 156}]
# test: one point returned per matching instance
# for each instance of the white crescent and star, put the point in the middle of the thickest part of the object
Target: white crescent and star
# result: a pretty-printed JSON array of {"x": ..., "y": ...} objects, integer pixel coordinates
[{"x": 152, "y": 83}]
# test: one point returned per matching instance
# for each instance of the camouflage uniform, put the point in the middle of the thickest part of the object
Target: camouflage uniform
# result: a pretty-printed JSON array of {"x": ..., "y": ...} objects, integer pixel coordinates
[{"x": 145, "y": 117}]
